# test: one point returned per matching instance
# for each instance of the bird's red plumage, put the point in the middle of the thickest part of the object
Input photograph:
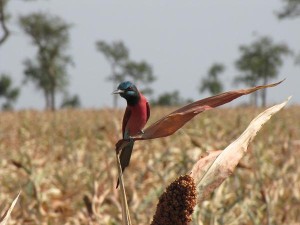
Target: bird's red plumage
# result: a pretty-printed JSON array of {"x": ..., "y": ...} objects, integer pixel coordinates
[
  {"x": 135, "y": 117},
  {"x": 134, "y": 120}
]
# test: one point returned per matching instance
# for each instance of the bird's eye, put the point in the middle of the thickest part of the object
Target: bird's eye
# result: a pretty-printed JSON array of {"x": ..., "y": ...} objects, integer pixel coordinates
[{"x": 129, "y": 89}]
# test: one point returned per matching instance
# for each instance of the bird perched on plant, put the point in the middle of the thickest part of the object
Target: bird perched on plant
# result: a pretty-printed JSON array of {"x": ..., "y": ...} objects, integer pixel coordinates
[{"x": 135, "y": 118}]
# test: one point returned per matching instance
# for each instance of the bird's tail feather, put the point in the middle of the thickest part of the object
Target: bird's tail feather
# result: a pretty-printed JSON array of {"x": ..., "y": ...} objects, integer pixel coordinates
[{"x": 125, "y": 157}]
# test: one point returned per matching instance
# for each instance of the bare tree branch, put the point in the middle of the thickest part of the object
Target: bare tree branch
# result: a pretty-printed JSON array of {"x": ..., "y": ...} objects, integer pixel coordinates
[
  {"x": 290, "y": 10},
  {"x": 3, "y": 22}
]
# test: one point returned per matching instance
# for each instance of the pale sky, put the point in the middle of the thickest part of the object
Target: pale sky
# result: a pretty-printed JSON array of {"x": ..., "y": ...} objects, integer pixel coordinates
[{"x": 179, "y": 39}]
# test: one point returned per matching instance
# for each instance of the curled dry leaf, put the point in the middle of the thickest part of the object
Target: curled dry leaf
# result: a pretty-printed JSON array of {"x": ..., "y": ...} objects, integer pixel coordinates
[
  {"x": 175, "y": 120},
  {"x": 202, "y": 165},
  {"x": 209, "y": 172},
  {"x": 6, "y": 215}
]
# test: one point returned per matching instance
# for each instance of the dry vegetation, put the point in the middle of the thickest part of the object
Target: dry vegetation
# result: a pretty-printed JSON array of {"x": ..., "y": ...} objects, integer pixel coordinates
[{"x": 64, "y": 163}]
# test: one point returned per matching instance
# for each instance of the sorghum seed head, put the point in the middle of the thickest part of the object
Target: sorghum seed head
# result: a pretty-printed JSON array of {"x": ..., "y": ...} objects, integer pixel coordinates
[{"x": 177, "y": 203}]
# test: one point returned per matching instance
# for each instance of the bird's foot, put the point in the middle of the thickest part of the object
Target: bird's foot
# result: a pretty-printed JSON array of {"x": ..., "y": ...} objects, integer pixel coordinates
[
  {"x": 122, "y": 143},
  {"x": 129, "y": 139}
]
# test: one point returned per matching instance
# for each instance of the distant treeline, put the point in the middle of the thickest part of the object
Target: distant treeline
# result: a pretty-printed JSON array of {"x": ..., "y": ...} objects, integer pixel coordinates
[{"x": 258, "y": 63}]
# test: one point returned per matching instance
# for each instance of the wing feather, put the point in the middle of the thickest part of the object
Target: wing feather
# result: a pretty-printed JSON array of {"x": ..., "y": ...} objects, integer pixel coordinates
[
  {"x": 125, "y": 120},
  {"x": 148, "y": 110}
]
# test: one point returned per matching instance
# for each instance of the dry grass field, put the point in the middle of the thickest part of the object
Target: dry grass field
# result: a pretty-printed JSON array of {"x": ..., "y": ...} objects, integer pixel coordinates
[{"x": 64, "y": 163}]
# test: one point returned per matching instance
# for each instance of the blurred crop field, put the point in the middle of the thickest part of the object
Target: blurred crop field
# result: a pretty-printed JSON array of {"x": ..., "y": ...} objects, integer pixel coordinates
[{"x": 64, "y": 163}]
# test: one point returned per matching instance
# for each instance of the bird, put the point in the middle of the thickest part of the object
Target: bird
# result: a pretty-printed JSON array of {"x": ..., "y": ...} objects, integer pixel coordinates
[{"x": 136, "y": 115}]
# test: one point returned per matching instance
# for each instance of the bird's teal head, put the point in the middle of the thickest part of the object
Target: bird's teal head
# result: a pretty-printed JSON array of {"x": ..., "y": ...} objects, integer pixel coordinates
[{"x": 128, "y": 91}]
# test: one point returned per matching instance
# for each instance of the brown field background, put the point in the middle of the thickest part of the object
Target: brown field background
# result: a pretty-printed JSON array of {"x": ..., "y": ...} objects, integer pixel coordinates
[{"x": 64, "y": 163}]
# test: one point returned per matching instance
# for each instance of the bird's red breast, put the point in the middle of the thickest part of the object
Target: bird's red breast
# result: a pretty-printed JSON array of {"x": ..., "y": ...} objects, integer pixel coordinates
[{"x": 135, "y": 117}]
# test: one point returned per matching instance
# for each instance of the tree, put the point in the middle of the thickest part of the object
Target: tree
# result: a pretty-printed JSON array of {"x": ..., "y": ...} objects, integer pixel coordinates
[
  {"x": 122, "y": 67},
  {"x": 9, "y": 93},
  {"x": 248, "y": 64},
  {"x": 168, "y": 99},
  {"x": 71, "y": 102},
  {"x": 50, "y": 34},
  {"x": 142, "y": 75},
  {"x": 291, "y": 9},
  {"x": 260, "y": 62},
  {"x": 116, "y": 54},
  {"x": 211, "y": 83}
]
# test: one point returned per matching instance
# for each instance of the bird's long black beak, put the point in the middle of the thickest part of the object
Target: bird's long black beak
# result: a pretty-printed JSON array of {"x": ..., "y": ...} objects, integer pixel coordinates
[{"x": 118, "y": 91}]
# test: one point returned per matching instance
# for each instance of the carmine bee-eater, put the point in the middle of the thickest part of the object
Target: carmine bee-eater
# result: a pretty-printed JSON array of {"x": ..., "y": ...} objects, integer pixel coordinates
[{"x": 135, "y": 118}]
